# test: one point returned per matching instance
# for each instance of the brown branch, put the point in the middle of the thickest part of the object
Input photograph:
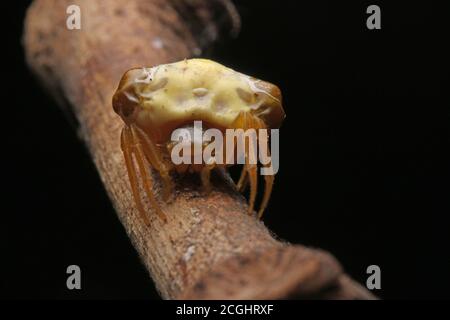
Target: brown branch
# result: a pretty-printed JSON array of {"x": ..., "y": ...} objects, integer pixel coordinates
[{"x": 209, "y": 248}]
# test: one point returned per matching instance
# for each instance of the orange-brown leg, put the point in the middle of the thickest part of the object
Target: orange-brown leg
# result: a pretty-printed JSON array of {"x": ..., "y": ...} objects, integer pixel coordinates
[
  {"x": 206, "y": 177},
  {"x": 253, "y": 177},
  {"x": 245, "y": 121},
  {"x": 269, "y": 179},
  {"x": 251, "y": 157},
  {"x": 249, "y": 172},
  {"x": 267, "y": 192},
  {"x": 145, "y": 174},
  {"x": 241, "y": 123},
  {"x": 243, "y": 180},
  {"x": 127, "y": 145},
  {"x": 152, "y": 155}
]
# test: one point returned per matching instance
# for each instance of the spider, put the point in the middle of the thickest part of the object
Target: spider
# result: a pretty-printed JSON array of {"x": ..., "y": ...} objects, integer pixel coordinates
[{"x": 153, "y": 102}]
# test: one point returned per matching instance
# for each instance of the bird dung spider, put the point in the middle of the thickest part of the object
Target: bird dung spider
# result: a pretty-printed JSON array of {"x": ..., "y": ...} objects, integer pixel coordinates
[{"x": 153, "y": 102}]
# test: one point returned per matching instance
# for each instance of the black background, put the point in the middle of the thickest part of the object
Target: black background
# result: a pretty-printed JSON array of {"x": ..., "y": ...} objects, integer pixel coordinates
[{"x": 364, "y": 167}]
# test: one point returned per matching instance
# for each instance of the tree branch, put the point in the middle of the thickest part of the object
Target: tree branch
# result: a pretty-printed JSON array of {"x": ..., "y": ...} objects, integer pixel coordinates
[{"x": 209, "y": 248}]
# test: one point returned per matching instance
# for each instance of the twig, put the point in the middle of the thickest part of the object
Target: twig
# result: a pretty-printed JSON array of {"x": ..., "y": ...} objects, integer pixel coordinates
[{"x": 209, "y": 248}]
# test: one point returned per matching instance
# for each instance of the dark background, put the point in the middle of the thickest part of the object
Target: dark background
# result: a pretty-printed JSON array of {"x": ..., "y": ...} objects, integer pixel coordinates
[{"x": 364, "y": 154}]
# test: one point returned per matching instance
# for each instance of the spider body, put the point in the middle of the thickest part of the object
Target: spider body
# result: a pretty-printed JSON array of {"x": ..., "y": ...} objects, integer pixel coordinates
[{"x": 153, "y": 102}]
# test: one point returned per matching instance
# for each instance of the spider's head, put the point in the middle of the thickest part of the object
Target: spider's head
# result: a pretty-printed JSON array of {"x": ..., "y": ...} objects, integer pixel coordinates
[{"x": 126, "y": 103}]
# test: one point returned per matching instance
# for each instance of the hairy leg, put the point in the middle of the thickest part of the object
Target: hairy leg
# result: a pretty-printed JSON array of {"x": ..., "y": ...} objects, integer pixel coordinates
[
  {"x": 268, "y": 179},
  {"x": 206, "y": 177},
  {"x": 243, "y": 180},
  {"x": 145, "y": 174},
  {"x": 267, "y": 193},
  {"x": 127, "y": 146},
  {"x": 249, "y": 172},
  {"x": 252, "y": 156},
  {"x": 151, "y": 153}
]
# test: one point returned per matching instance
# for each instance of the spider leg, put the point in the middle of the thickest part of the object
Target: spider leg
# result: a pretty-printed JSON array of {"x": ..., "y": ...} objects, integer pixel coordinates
[
  {"x": 267, "y": 192},
  {"x": 151, "y": 153},
  {"x": 145, "y": 174},
  {"x": 205, "y": 176},
  {"x": 251, "y": 161},
  {"x": 253, "y": 177},
  {"x": 239, "y": 123},
  {"x": 268, "y": 179},
  {"x": 127, "y": 145},
  {"x": 249, "y": 173},
  {"x": 246, "y": 121},
  {"x": 243, "y": 180}
]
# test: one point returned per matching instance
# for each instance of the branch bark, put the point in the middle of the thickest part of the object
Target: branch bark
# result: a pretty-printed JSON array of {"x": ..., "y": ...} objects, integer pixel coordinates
[{"x": 209, "y": 248}]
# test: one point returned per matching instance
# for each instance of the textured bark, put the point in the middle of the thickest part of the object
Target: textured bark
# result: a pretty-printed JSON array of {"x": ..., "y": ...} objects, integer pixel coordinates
[{"x": 209, "y": 247}]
